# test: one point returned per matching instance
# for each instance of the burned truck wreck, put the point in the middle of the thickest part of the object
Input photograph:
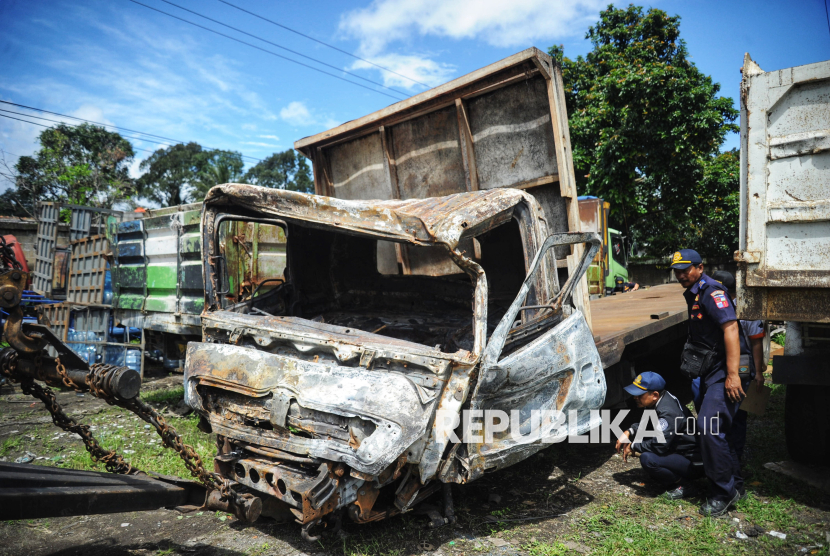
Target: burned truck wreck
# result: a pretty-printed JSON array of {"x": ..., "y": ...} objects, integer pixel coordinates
[{"x": 323, "y": 384}]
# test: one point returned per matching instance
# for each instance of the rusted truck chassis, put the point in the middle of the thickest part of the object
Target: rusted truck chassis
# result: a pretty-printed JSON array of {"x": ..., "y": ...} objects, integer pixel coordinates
[{"x": 324, "y": 391}]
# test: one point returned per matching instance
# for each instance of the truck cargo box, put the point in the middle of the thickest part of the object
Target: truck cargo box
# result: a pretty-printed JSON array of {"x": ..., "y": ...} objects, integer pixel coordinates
[
  {"x": 784, "y": 249},
  {"x": 502, "y": 126}
]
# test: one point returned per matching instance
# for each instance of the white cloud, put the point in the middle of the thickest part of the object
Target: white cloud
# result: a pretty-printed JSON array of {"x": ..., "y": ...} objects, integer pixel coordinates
[
  {"x": 495, "y": 22},
  {"x": 258, "y": 144},
  {"x": 417, "y": 68},
  {"x": 297, "y": 113},
  {"x": 274, "y": 137},
  {"x": 92, "y": 113}
]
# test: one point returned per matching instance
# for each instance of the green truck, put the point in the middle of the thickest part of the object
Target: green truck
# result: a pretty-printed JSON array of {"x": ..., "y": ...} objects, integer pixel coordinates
[
  {"x": 157, "y": 273},
  {"x": 610, "y": 266}
]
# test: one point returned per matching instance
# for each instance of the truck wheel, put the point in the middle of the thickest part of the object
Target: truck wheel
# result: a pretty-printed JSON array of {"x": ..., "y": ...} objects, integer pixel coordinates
[{"x": 807, "y": 423}]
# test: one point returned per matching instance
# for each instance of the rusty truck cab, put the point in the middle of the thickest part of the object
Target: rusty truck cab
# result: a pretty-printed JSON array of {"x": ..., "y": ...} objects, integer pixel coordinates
[{"x": 324, "y": 386}]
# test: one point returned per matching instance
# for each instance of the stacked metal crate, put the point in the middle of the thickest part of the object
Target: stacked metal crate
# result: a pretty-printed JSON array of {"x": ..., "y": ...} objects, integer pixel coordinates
[{"x": 84, "y": 320}]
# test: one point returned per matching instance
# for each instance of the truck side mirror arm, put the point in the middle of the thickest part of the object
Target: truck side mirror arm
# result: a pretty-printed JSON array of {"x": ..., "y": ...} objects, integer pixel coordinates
[{"x": 496, "y": 343}]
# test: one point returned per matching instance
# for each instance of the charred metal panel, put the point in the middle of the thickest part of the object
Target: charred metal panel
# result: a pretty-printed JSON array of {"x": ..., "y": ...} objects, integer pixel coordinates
[
  {"x": 427, "y": 155},
  {"x": 558, "y": 370},
  {"x": 357, "y": 170},
  {"x": 561, "y": 370},
  {"x": 431, "y": 221},
  {"x": 400, "y": 415},
  {"x": 785, "y": 196},
  {"x": 513, "y": 135}
]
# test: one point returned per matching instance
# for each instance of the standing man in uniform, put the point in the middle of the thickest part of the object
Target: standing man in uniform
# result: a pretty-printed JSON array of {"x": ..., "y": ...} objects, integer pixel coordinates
[{"x": 713, "y": 352}]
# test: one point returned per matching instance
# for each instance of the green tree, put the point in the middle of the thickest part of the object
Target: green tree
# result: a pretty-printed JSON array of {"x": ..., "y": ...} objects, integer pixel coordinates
[
  {"x": 645, "y": 126},
  {"x": 84, "y": 165},
  {"x": 716, "y": 212},
  {"x": 13, "y": 202},
  {"x": 283, "y": 170},
  {"x": 172, "y": 173},
  {"x": 222, "y": 167}
]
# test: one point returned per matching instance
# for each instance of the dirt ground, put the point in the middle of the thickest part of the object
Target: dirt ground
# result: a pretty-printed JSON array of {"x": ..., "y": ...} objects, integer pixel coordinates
[{"x": 568, "y": 499}]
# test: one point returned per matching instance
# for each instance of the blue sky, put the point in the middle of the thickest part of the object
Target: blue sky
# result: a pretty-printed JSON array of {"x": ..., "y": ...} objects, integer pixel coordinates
[{"x": 120, "y": 63}]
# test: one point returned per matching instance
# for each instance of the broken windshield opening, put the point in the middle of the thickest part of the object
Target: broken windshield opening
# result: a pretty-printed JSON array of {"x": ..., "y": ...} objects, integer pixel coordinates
[
  {"x": 333, "y": 277},
  {"x": 253, "y": 257}
]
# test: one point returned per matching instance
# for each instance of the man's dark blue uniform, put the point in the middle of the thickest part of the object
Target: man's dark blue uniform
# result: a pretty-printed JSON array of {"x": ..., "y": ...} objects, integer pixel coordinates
[
  {"x": 667, "y": 460},
  {"x": 709, "y": 309}
]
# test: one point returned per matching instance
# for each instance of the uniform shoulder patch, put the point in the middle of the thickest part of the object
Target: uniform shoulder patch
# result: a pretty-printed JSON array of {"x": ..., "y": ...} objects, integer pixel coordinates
[
  {"x": 664, "y": 425},
  {"x": 720, "y": 299}
]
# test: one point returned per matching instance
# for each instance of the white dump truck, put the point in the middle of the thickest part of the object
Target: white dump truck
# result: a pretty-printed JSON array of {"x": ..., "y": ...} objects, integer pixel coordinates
[{"x": 784, "y": 250}]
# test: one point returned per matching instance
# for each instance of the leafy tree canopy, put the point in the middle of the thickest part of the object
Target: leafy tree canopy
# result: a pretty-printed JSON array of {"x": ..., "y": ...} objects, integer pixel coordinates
[
  {"x": 171, "y": 174},
  {"x": 187, "y": 172},
  {"x": 83, "y": 165},
  {"x": 646, "y": 128},
  {"x": 283, "y": 170},
  {"x": 222, "y": 167}
]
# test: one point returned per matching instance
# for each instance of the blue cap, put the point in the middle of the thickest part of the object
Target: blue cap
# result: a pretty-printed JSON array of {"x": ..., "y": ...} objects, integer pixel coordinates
[
  {"x": 685, "y": 258},
  {"x": 646, "y": 382}
]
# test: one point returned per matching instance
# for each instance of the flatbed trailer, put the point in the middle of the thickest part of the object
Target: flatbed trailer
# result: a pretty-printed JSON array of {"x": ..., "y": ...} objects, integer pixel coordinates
[{"x": 640, "y": 331}]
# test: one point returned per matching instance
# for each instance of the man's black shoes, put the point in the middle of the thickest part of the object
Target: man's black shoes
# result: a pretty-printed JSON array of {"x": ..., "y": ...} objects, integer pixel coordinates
[
  {"x": 716, "y": 508},
  {"x": 679, "y": 492}
]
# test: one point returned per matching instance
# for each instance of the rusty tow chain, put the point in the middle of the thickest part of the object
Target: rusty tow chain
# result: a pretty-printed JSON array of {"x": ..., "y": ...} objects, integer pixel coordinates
[{"x": 95, "y": 379}]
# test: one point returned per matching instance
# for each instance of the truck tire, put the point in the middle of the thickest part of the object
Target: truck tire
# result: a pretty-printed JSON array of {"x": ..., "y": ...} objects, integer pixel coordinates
[{"x": 807, "y": 423}]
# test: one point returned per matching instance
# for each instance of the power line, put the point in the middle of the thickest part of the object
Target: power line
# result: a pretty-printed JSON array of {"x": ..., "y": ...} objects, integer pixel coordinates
[
  {"x": 44, "y": 125},
  {"x": 48, "y": 126},
  {"x": 89, "y": 121},
  {"x": 7, "y": 152},
  {"x": 283, "y": 47},
  {"x": 60, "y": 122},
  {"x": 323, "y": 43},
  {"x": 103, "y": 125},
  {"x": 263, "y": 49}
]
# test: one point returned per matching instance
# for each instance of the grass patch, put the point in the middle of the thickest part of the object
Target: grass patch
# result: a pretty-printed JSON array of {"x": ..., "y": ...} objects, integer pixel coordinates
[
  {"x": 655, "y": 527},
  {"x": 11, "y": 444},
  {"x": 125, "y": 433},
  {"x": 170, "y": 396},
  {"x": 776, "y": 513},
  {"x": 545, "y": 549}
]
